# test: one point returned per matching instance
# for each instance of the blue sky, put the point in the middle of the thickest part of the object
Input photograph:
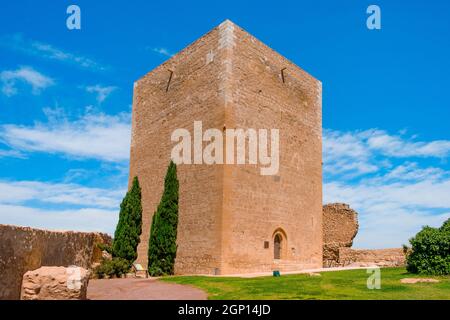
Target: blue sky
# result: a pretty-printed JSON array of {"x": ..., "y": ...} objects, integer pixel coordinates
[{"x": 65, "y": 102}]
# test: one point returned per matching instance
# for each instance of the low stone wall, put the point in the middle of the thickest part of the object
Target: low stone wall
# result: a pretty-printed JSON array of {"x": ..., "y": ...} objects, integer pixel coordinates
[
  {"x": 23, "y": 249},
  {"x": 380, "y": 257}
]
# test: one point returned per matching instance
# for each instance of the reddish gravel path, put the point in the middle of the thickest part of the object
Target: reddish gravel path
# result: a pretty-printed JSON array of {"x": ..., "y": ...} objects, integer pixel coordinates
[{"x": 141, "y": 289}]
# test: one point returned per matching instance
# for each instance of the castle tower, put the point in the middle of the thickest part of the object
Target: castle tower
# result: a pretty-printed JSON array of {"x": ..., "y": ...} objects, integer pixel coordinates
[{"x": 232, "y": 219}]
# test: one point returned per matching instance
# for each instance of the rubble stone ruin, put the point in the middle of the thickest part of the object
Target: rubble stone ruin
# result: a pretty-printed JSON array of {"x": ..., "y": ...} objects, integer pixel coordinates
[{"x": 340, "y": 226}]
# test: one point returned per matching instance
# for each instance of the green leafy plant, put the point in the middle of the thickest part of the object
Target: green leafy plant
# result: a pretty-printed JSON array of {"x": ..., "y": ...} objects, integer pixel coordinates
[
  {"x": 163, "y": 234},
  {"x": 115, "y": 267},
  {"x": 129, "y": 227},
  {"x": 430, "y": 251},
  {"x": 104, "y": 247}
]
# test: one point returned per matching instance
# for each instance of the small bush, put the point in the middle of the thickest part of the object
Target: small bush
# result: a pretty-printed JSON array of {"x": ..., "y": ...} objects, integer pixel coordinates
[
  {"x": 430, "y": 251},
  {"x": 105, "y": 247},
  {"x": 112, "y": 268}
]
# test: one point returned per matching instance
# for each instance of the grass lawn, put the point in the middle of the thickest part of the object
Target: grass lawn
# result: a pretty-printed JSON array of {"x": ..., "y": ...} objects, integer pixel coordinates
[{"x": 349, "y": 284}]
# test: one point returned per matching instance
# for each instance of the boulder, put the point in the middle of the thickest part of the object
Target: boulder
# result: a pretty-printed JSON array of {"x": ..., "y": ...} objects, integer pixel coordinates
[{"x": 55, "y": 283}]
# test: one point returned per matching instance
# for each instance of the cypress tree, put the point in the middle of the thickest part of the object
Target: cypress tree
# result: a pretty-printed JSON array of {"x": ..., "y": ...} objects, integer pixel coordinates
[
  {"x": 129, "y": 227},
  {"x": 163, "y": 235}
]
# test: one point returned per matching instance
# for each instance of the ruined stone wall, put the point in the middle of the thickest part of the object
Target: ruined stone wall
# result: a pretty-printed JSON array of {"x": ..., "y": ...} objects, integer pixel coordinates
[
  {"x": 340, "y": 226},
  {"x": 23, "y": 249},
  {"x": 380, "y": 257}
]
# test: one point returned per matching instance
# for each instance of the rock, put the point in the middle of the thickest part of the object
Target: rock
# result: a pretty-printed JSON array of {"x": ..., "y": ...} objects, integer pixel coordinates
[
  {"x": 106, "y": 255},
  {"x": 314, "y": 274},
  {"x": 418, "y": 280},
  {"x": 55, "y": 283}
]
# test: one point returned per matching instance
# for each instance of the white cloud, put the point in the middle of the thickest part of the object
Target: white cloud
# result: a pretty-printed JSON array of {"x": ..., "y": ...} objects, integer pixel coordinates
[
  {"x": 357, "y": 153},
  {"x": 35, "y": 79},
  {"x": 396, "y": 146},
  {"x": 394, "y": 201},
  {"x": 27, "y": 203},
  {"x": 391, "y": 214},
  {"x": 93, "y": 136},
  {"x": 162, "y": 51},
  {"x": 12, "y": 154},
  {"x": 85, "y": 219},
  {"x": 102, "y": 91},
  {"x": 35, "y": 48},
  {"x": 14, "y": 192}
]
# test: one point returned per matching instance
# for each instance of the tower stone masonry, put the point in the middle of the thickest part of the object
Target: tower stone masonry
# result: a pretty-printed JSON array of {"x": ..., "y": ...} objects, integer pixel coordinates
[{"x": 232, "y": 219}]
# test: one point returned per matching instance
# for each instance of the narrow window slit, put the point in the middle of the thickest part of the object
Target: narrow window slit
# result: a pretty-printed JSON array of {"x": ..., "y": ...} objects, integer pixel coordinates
[
  {"x": 170, "y": 79},
  {"x": 282, "y": 75}
]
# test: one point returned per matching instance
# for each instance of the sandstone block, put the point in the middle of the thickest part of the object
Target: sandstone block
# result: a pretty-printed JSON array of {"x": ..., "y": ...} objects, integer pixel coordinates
[{"x": 55, "y": 283}]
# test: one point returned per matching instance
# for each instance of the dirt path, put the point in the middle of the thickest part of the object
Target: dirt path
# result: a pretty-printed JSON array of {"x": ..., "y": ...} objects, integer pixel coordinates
[{"x": 141, "y": 289}]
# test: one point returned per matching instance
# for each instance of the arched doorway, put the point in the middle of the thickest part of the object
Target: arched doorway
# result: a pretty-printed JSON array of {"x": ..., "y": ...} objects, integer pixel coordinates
[
  {"x": 280, "y": 244},
  {"x": 277, "y": 246}
]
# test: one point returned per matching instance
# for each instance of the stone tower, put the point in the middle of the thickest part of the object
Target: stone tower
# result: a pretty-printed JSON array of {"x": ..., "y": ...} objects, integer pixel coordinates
[{"x": 232, "y": 219}]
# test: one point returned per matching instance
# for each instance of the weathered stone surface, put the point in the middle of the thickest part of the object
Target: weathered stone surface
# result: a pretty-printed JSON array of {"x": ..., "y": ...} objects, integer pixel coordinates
[
  {"x": 23, "y": 249},
  {"x": 55, "y": 283},
  {"x": 418, "y": 280},
  {"x": 340, "y": 226},
  {"x": 229, "y": 215},
  {"x": 394, "y": 257},
  {"x": 314, "y": 274},
  {"x": 106, "y": 255}
]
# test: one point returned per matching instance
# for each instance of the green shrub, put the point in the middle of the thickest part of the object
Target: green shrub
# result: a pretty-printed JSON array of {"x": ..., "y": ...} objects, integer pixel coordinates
[
  {"x": 163, "y": 235},
  {"x": 430, "y": 251},
  {"x": 129, "y": 227},
  {"x": 112, "y": 268},
  {"x": 446, "y": 226},
  {"x": 105, "y": 247}
]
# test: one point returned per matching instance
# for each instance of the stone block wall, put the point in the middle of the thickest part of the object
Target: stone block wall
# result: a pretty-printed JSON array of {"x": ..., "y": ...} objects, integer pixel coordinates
[
  {"x": 394, "y": 257},
  {"x": 269, "y": 91},
  {"x": 23, "y": 249}
]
